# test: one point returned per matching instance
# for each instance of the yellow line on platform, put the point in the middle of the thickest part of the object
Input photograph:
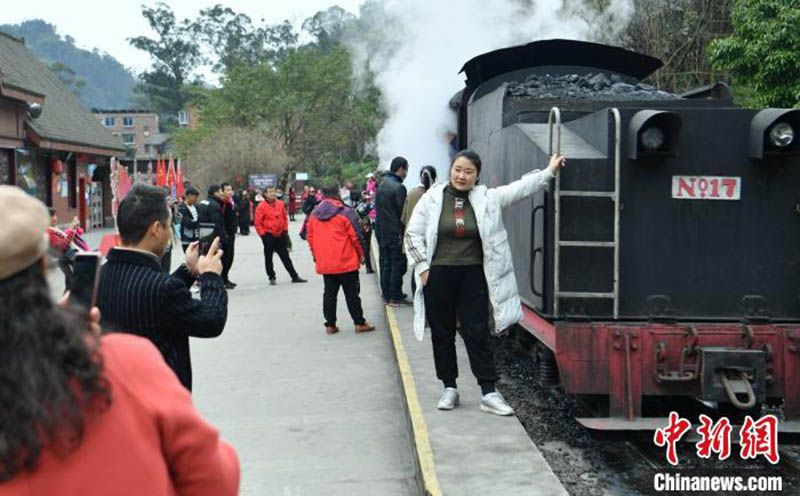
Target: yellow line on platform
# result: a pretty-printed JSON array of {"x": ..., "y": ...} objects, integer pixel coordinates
[{"x": 421, "y": 440}]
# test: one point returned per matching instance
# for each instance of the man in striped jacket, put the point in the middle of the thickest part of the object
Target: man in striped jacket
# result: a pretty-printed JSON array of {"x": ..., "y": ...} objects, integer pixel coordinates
[{"x": 134, "y": 296}]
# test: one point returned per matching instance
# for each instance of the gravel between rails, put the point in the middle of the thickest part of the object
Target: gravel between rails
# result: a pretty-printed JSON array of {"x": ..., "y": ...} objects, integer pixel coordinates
[{"x": 591, "y": 467}]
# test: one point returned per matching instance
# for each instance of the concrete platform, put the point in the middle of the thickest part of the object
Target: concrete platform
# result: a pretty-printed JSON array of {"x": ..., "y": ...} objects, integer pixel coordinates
[
  {"x": 309, "y": 414},
  {"x": 463, "y": 452}
]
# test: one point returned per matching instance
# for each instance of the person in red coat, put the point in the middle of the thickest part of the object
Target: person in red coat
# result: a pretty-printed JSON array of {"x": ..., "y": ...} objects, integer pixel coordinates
[
  {"x": 337, "y": 245},
  {"x": 272, "y": 224},
  {"x": 85, "y": 414}
]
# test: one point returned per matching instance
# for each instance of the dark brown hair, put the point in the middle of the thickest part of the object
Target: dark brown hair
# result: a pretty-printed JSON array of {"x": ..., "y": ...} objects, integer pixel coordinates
[{"x": 51, "y": 375}]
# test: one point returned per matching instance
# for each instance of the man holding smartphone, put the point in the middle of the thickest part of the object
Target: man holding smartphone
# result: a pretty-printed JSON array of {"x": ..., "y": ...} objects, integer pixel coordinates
[{"x": 137, "y": 298}]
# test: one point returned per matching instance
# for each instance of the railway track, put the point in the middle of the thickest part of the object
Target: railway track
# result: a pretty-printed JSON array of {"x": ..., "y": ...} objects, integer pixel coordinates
[{"x": 623, "y": 465}]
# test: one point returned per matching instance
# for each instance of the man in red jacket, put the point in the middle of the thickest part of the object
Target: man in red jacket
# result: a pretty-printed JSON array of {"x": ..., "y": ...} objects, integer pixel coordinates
[
  {"x": 272, "y": 224},
  {"x": 337, "y": 245}
]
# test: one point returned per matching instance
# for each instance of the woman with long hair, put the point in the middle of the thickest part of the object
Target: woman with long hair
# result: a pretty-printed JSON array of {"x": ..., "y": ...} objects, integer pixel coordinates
[
  {"x": 458, "y": 246},
  {"x": 427, "y": 178},
  {"x": 81, "y": 413}
]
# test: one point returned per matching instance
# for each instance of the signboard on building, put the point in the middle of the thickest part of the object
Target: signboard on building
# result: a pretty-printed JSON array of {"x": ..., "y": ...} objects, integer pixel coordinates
[
  {"x": 263, "y": 181},
  {"x": 301, "y": 176}
]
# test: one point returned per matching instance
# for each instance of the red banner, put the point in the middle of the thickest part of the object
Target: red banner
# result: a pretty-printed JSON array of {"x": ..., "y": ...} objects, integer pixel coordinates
[
  {"x": 161, "y": 173},
  {"x": 180, "y": 179}
]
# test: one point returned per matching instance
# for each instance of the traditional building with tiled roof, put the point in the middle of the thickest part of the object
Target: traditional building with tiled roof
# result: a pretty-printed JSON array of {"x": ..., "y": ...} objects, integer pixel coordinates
[{"x": 50, "y": 145}]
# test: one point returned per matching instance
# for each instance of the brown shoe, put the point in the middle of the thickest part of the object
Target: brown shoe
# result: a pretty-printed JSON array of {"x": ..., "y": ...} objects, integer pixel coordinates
[
  {"x": 365, "y": 327},
  {"x": 331, "y": 329}
]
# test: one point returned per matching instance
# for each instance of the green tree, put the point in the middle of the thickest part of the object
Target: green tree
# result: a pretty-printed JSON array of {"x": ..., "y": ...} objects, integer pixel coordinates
[
  {"x": 176, "y": 55},
  {"x": 309, "y": 100},
  {"x": 304, "y": 98},
  {"x": 329, "y": 26},
  {"x": 764, "y": 52},
  {"x": 233, "y": 38}
]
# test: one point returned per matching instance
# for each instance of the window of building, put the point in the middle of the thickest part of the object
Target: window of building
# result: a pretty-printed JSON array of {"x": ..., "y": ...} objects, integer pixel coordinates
[
  {"x": 147, "y": 149},
  {"x": 127, "y": 121},
  {"x": 183, "y": 117},
  {"x": 109, "y": 122},
  {"x": 129, "y": 139}
]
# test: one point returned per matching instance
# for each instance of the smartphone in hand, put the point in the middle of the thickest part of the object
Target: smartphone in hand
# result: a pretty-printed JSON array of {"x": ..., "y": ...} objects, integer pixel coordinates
[
  {"x": 85, "y": 276},
  {"x": 206, "y": 237}
]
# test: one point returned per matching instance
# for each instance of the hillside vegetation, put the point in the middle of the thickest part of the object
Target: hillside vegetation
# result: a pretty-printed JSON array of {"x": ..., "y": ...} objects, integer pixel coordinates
[{"x": 97, "y": 78}]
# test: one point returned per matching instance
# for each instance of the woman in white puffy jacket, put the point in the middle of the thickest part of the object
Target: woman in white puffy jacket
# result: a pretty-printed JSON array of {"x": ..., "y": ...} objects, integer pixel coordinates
[{"x": 458, "y": 248}]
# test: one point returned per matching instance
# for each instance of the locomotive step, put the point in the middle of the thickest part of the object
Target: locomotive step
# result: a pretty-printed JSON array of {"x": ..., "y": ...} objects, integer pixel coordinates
[
  {"x": 587, "y": 244},
  {"x": 589, "y": 194},
  {"x": 576, "y": 294}
]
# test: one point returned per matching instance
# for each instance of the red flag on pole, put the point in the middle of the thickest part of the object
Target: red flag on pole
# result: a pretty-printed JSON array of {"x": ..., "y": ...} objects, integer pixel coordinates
[
  {"x": 171, "y": 178},
  {"x": 180, "y": 179},
  {"x": 124, "y": 182},
  {"x": 161, "y": 173}
]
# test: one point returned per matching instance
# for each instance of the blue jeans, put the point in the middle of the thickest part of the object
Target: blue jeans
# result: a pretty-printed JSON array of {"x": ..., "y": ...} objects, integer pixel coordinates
[{"x": 393, "y": 265}]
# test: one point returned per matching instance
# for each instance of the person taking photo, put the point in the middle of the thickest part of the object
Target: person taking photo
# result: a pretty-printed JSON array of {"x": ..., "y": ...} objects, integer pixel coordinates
[{"x": 85, "y": 413}]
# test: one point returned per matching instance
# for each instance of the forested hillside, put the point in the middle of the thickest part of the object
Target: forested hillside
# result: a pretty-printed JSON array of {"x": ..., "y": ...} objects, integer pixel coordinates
[{"x": 98, "y": 78}]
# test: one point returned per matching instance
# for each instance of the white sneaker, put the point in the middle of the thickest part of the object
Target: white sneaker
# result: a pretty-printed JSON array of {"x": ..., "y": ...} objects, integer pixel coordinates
[
  {"x": 496, "y": 404},
  {"x": 449, "y": 399}
]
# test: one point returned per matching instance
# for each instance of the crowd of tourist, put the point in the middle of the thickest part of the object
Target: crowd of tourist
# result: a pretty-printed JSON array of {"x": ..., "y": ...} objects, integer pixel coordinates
[{"x": 97, "y": 400}]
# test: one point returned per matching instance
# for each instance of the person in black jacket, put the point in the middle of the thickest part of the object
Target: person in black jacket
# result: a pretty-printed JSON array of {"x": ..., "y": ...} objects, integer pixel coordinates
[
  {"x": 389, "y": 201},
  {"x": 189, "y": 223},
  {"x": 210, "y": 212},
  {"x": 243, "y": 201},
  {"x": 135, "y": 297},
  {"x": 231, "y": 219}
]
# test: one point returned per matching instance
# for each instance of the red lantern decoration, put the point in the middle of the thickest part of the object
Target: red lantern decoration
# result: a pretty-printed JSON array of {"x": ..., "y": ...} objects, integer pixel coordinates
[
  {"x": 58, "y": 167},
  {"x": 239, "y": 179}
]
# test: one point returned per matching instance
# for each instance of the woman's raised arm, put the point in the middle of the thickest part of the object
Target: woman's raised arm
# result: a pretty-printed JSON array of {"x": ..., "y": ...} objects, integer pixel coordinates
[{"x": 530, "y": 183}]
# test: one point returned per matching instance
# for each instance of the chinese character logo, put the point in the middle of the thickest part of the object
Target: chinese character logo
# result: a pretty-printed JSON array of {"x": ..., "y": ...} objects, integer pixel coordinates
[
  {"x": 756, "y": 437},
  {"x": 760, "y": 438},
  {"x": 671, "y": 434},
  {"x": 715, "y": 438}
]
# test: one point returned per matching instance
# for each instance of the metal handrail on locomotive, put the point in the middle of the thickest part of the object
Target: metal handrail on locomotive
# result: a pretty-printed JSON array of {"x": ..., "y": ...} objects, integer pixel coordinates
[{"x": 662, "y": 268}]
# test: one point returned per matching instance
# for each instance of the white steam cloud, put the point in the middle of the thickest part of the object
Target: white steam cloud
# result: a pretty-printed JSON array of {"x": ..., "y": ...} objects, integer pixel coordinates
[{"x": 416, "y": 48}]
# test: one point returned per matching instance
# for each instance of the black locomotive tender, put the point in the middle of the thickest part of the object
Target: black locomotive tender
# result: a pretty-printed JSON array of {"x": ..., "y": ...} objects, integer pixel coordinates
[{"x": 664, "y": 262}]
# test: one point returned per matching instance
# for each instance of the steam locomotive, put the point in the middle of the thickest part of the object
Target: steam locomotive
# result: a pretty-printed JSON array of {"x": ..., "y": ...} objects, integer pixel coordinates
[{"x": 662, "y": 268}]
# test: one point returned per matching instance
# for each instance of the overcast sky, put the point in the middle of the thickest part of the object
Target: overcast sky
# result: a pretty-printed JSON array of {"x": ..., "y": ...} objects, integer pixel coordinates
[{"x": 106, "y": 25}]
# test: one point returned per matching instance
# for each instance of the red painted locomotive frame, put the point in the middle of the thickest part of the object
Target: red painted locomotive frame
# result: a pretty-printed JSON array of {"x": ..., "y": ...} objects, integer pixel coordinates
[{"x": 625, "y": 360}]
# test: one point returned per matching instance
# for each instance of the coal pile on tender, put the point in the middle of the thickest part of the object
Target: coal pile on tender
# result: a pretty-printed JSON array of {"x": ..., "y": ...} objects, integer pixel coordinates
[{"x": 598, "y": 86}]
